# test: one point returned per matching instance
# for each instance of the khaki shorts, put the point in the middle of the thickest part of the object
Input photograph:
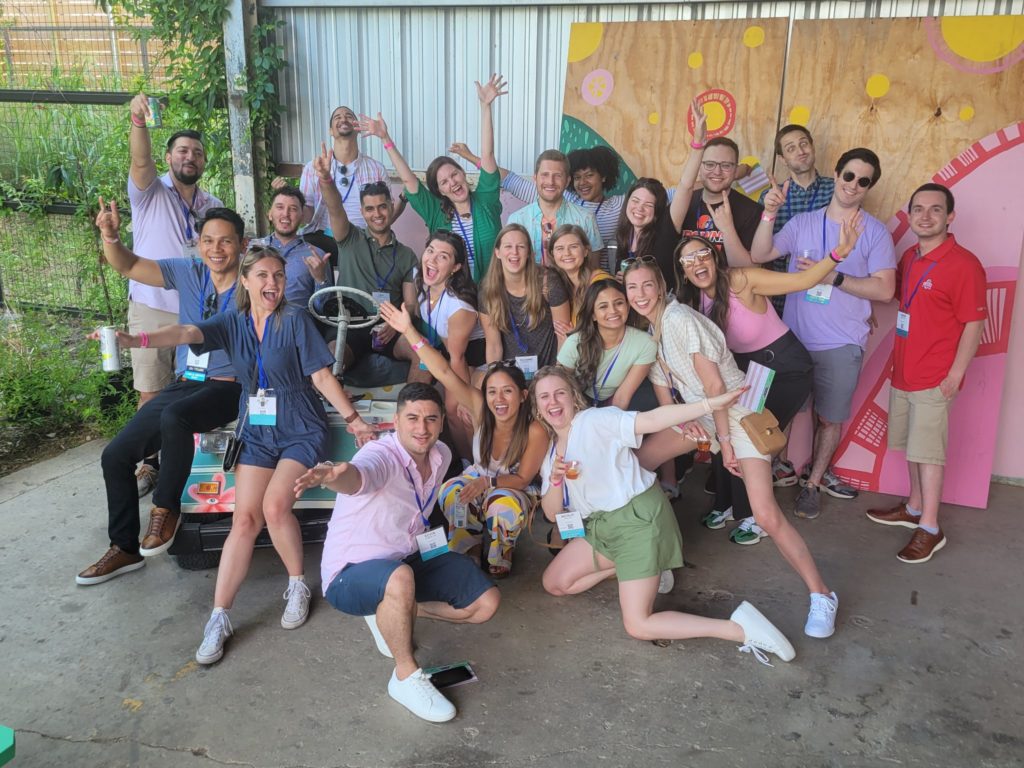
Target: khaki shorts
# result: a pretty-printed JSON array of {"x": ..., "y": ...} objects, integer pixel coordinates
[
  {"x": 742, "y": 445},
  {"x": 152, "y": 369},
  {"x": 918, "y": 424}
]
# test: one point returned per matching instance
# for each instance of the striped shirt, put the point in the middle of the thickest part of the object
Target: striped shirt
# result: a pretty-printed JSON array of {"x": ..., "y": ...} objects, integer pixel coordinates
[
  {"x": 464, "y": 229},
  {"x": 362, "y": 170},
  {"x": 606, "y": 212}
]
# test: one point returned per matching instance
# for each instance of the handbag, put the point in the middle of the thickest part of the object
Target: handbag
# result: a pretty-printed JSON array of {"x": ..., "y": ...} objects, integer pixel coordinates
[
  {"x": 764, "y": 432},
  {"x": 235, "y": 441}
]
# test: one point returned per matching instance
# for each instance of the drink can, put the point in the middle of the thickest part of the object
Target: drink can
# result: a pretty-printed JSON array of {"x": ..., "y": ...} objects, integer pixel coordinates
[
  {"x": 375, "y": 343},
  {"x": 110, "y": 354},
  {"x": 153, "y": 119}
]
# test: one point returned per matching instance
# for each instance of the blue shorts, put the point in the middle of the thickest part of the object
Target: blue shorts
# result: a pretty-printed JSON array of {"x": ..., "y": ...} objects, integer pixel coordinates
[{"x": 449, "y": 578}]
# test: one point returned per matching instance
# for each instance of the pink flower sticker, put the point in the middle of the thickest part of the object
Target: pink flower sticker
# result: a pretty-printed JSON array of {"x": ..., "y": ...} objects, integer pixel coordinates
[
  {"x": 219, "y": 502},
  {"x": 597, "y": 87}
]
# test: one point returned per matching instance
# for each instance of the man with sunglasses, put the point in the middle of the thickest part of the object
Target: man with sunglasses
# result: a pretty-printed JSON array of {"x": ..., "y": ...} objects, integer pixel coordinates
[
  {"x": 831, "y": 319},
  {"x": 720, "y": 213},
  {"x": 166, "y": 211}
]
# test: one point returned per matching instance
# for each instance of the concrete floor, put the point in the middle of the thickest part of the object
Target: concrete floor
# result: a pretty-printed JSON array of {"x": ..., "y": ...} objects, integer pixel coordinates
[{"x": 924, "y": 669}]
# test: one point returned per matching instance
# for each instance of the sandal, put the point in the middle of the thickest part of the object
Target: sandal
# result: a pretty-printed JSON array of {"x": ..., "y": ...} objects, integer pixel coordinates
[{"x": 499, "y": 571}]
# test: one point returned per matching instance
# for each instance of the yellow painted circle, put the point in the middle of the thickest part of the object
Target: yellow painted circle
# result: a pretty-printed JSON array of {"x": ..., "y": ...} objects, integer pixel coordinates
[
  {"x": 584, "y": 40},
  {"x": 750, "y": 160},
  {"x": 716, "y": 115},
  {"x": 967, "y": 113},
  {"x": 982, "y": 38},
  {"x": 694, "y": 60},
  {"x": 799, "y": 115},
  {"x": 654, "y": 118},
  {"x": 753, "y": 36},
  {"x": 877, "y": 86}
]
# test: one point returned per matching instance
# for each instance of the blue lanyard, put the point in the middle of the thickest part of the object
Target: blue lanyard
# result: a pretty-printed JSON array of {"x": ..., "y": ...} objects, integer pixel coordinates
[
  {"x": 667, "y": 372},
  {"x": 824, "y": 219},
  {"x": 202, "y": 295},
  {"x": 598, "y": 209},
  {"x": 906, "y": 306},
  {"x": 431, "y": 329},
  {"x": 466, "y": 238},
  {"x": 423, "y": 506},
  {"x": 382, "y": 282},
  {"x": 515, "y": 330},
  {"x": 295, "y": 244},
  {"x": 262, "y": 381},
  {"x": 186, "y": 212},
  {"x": 608, "y": 372},
  {"x": 565, "y": 480}
]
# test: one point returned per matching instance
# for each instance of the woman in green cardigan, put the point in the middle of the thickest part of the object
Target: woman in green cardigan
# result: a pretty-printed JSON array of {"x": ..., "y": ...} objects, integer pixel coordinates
[{"x": 447, "y": 202}]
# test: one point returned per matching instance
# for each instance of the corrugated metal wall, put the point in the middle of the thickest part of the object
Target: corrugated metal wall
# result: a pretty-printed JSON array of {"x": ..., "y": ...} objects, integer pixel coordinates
[{"x": 416, "y": 65}]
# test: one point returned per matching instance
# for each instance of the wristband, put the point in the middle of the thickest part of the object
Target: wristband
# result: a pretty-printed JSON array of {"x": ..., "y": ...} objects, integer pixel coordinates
[
  {"x": 115, "y": 241},
  {"x": 696, "y": 145},
  {"x": 389, "y": 145},
  {"x": 477, "y": 166},
  {"x": 143, "y": 339},
  {"x": 419, "y": 345},
  {"x": 724, "y": 438},
  {"x": 137, "y": 122},
  {"x": 768, "y": 217},
  {"x": 351, "y": 417},
  {"x": 835, "y": 257}
]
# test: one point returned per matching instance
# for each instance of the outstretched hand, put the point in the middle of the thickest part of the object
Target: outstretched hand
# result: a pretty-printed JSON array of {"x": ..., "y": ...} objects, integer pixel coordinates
[
  {"x": 849, "y": 232},
  {"x": 461, "y": 149},
  {"x": 720, "y": 402},
  {"x": 399, "y": 319},
  {"x": 492, "y": 89},
  {"x": 322, "y": 163},
  {"x": 108, "y": 220},
  {"x": 369, "y": 126},
  {"x": 321, "y": 474},
  {"x": 776, "y": 196}
]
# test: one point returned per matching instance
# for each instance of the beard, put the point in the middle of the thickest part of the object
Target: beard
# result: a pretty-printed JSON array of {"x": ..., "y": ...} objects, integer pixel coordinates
[{"x": 187, "y": 178}]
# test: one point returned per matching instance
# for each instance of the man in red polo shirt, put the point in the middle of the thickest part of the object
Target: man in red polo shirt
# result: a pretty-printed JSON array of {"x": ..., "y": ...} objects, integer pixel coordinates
[{"x": 940, "y": 287}]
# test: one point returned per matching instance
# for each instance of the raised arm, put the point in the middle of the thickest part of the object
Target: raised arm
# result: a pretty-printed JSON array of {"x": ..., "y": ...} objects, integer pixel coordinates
[
  {"x": 340, "y": 224},
  {"x": 468, "y": 396},
  {"x": 140, "y": 147},
  {"x": 684, "y": 189},
  {"x": 168, "y": 336},
  {"x": 146, "y": 271},
  {"x": 369, "y": 126},
  {"x": 487, "y": 93},
  {"x": 461, "y": 149},
  {"x": 762, "y": 249},
  {"x": 666, "y": 416}
]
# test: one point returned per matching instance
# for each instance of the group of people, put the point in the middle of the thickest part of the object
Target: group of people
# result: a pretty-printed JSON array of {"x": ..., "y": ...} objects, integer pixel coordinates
[{"x": 570, "y": 374}]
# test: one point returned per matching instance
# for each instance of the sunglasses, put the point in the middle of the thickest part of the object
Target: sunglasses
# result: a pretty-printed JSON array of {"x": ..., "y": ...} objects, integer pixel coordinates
[
  {"x": 691, "y": 258},
  {"x": 375, "y": 188},
  {"x": 863, "y": 182},
  {"x": 345, "y": 181},
  {"x": 638, "y": 261},
  {"x": 510, "y": 363}
]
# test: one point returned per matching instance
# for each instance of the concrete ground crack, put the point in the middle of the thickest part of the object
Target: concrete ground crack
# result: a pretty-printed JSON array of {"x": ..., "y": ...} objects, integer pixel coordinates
[{"x": 194, "y": 751}]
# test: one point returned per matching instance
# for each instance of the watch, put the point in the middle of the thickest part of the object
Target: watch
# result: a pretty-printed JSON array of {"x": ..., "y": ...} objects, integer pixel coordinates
[{"x": 839, "y": 279}]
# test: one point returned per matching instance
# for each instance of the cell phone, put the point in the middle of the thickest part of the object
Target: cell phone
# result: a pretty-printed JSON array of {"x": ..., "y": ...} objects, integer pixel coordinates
[{"x": 451, "y": 675}]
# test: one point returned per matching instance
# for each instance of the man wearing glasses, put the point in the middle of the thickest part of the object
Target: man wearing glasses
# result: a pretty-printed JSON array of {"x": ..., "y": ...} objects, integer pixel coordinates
[
  {"x": 831, "y": 319},
  {"x": 721, "y": 214}
]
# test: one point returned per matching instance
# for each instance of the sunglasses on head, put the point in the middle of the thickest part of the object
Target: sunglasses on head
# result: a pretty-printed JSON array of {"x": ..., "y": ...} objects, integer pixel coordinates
[
  {"x": 510, "y": 363},
  {"x": 691, "y": 258},
  {"x": 863, "y": 182},
  {"x": 638, "y": 260}
]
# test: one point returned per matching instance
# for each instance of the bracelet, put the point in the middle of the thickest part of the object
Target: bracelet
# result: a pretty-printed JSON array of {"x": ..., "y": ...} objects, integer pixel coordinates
[
  {"x": 351, "y": 417},
  {"x": 477, "y": 166},
  {"x": 768, "y": 217},
  {"x": 724, "y": 438},
  {"x": 419, "y": 345},
  {"x": 143, "y": 339},
  {"x": 556, "y": 485},
  {"x": 834, "y": 257},
  {"x": 707, "y": 405},
  {"x": 696, "y": 145},
  {"x": 389, "y": 145},
  {"x": 137, "y": 122},
  {"x": 115, "y": 241}
]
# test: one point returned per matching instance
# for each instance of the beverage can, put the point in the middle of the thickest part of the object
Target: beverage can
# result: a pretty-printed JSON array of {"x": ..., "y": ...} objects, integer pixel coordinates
[
  {"x": 375, "y": 341},
  {"x": 153, "y": 119},
  {"x": 110, "y": 353}
]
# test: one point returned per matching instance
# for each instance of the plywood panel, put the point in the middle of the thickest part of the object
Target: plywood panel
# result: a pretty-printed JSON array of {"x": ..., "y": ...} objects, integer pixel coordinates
[
  {"x": 630, "y": 84},
  {"x": 916, "y": 91}
]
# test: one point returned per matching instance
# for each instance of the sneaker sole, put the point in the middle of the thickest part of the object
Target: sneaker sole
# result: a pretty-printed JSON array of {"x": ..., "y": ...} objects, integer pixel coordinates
[
  {"x": 785, "y": 482},
  {"x": 206, "y": 660},
  {"x": 165, "y": 546},
  {"x": 748, "y": 542},
  {"x": 935, "y": 549},
  {"x": 838, "y": 494},
  {"x": 294, "y": 624},
  {"x": 806, "y": 515},
  {"x": 88, "y": 581},
  {"x": 716, "y": 527},
  {"x": 820, "y": 637},
  {"x": 425, "y": 717},
  {"x": 900, "y": 523}
]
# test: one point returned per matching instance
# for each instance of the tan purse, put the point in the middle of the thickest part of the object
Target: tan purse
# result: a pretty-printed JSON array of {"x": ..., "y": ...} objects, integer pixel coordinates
[{"x": 764, "y": 432}]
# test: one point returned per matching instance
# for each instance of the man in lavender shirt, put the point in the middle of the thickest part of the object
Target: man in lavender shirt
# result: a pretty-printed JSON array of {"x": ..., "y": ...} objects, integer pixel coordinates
[
  {"x": 831, "y": 319},
  {"x": 165, "y": 212},
  {"x": 378, "y": 559}
]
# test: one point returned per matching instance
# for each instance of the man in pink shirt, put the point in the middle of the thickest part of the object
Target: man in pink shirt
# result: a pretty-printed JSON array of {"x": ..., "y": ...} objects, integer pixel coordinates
[{"x": 381, "y": 559}]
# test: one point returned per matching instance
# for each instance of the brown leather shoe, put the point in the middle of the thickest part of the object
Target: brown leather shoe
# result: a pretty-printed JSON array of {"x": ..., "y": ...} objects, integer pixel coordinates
[
  {"x": 163, "y": 525},
  {"x": 922, "y": 546},
  {"x": 898, "y": 515},
  {"x": 116, "y": 562}
]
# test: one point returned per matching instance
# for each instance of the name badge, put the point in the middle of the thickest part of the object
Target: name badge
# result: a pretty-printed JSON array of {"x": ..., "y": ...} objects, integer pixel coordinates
[
  {"x": 570, "y": 524},
  {"x": 196, "y": 365},
  {"x": 432, "y": 543},
  {"x": 381, "y": 296},
  {"x": 819, "y": 294},
  {"x": 902, "y": 324},
  {"x": 460, "y": 513},
  {"x": 263, "y": 408},
  {"x": 527, "y": 364},
  {"x": 190, "y": 250}
]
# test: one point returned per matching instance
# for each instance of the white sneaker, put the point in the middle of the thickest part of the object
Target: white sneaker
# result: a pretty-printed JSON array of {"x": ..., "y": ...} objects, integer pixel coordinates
[
  {"x": 378, "y": 638},
  {"x": 218, "y": 629},
  {"x": 417, "y": 694},
  {"x": 296, "y": 611},
  {"x": 666, "y": 582},
  {"x": 671, "y": 490},
  {"x": 761, "y": 635},
  {"x": 821, "y": 620}
]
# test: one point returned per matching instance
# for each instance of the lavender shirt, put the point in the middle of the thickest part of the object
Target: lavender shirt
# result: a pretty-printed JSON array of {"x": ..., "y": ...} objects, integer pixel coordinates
[
  {"x": 844, "y": 320},
  {"x": 161, "y": 226},
  {"x": 381, "y": 520}
]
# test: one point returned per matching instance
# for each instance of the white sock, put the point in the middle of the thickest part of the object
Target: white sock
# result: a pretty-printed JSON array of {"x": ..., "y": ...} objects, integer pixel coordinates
[{"x": 293, "y": 579}]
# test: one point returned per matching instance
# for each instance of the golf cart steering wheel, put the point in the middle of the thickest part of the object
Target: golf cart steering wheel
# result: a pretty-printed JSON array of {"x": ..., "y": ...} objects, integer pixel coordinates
[{"x": 343, "y": 320}]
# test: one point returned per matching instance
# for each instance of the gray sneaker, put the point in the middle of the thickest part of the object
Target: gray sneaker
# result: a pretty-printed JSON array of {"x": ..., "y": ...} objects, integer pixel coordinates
[
  {"x": 836, "y": 487},
  {"x": 808, "y": 503}
]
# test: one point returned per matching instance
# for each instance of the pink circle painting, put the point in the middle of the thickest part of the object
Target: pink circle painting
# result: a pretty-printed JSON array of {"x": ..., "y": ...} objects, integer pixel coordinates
[{"x": 597, "y": 87}]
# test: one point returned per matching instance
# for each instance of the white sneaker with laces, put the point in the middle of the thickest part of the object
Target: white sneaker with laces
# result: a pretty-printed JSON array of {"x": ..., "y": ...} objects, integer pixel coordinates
[
  {"x": 218, "y": 629},
  {"x": 761, "y": 635},
  {"x": 296, "y": 610},
  {"x": 378, "y": 638},
  {"x": 671, "y": 490},
  {"x": 666, "y": 582},
  {"x": 821, "y": 620},
  {"x": 417, "y": 694}
]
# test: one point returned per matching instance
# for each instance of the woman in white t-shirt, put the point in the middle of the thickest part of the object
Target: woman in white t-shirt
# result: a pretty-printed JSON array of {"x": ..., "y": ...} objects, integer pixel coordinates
[{"x": 618, "y": 520}]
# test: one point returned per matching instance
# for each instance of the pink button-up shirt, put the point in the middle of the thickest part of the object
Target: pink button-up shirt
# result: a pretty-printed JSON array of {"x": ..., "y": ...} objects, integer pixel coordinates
[{"x": 381, "y": 520}]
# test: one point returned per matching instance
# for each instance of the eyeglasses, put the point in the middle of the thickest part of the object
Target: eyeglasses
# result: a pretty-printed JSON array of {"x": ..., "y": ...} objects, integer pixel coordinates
[
  {"x": 863, "y": 182},
  {"x": 638, "y": 261},
  {"x": 691, "y": 258},
  {"x": 710, "y": 165}
]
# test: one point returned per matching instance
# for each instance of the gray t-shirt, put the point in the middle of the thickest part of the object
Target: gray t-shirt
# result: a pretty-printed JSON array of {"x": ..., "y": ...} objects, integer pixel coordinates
[{"x": 519, "y": 340}]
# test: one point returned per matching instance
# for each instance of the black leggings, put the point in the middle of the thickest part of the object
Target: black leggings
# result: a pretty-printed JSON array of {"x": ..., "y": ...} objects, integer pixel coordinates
[{"x": 789, "y": 391}]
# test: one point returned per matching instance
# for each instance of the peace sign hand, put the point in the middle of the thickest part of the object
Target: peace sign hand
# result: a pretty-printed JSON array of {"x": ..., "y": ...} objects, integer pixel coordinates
[
  {"x": 108, "y": 221},
  {"x": 322, "y": 163}
]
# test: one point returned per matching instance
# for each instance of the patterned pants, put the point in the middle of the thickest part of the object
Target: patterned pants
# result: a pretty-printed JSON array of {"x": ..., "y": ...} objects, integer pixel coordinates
[{"x": 502, "y": 511}]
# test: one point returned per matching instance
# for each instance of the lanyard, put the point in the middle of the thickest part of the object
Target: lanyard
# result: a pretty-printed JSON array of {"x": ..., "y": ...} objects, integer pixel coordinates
[
  {"x": 565, "y": 480},
  {"x": 906, "y": 306},
  {"x": 667, "y": 372},
  {"x": 423, "y": 506},
  {"x": 515, "y": 329},
  {"x": 431, "y": 329},
  {"x": 824, "y": 219},
  {"x": 186, "y": 211},
  {"x": 608, "y": 372},
  {"x": 262, "y": 380},
  {"x": 382, "y": 282},
  {"x": 466, "y": 239},
  {"x": 598, "y": 209},
  {"x": 202, "y": 296}
]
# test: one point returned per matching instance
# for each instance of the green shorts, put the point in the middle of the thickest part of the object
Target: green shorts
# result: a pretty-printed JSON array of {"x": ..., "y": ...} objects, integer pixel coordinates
[{"x": 642, "y": 538}]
